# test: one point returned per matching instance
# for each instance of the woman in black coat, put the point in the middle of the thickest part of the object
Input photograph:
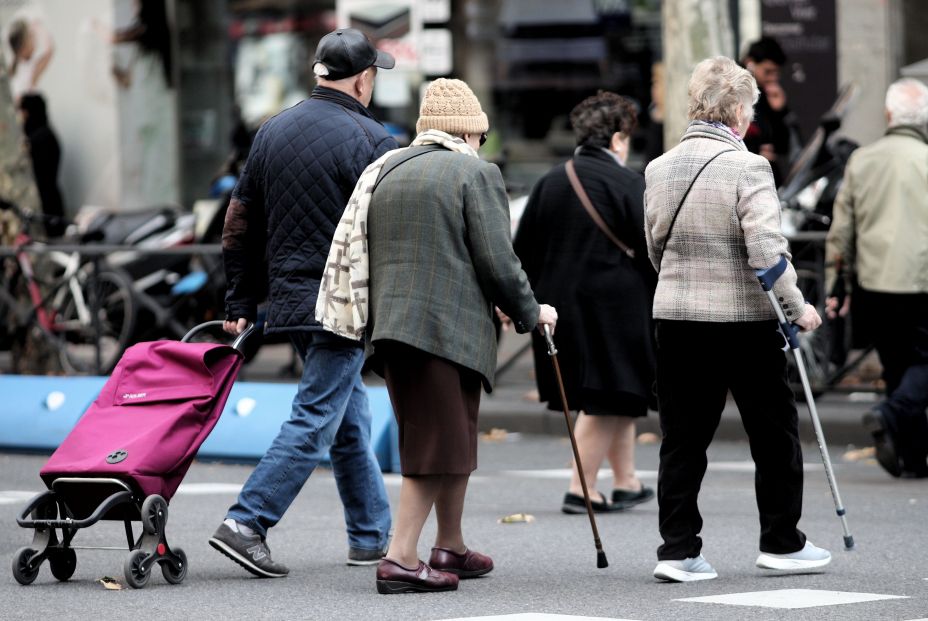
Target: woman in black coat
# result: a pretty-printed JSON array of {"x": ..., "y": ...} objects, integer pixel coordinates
[{"x": 602, "y": 294}]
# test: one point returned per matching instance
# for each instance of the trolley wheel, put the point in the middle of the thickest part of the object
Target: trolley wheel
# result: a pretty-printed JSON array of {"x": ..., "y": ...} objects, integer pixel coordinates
[
  {"x": 154, "y": 514},
  {"x": 21, "y": 570},
  {"x": 171, "y": 573},
  {"x": 62, "y": 563},
  {"x": 137, "y": 569}
]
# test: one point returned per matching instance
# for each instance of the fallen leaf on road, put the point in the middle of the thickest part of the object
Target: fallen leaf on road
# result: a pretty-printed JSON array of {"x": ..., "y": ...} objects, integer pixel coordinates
[
  {"x": 110, "y": 583},
  {"x": 648, "y": 438},
  {"x": 859, "y": 454},
  {"x": 517, "y": 518},
  {"x": 495, "y": 435}
]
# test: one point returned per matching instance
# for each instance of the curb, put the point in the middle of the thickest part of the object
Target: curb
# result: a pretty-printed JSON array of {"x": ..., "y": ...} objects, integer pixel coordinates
[{"x": 840, "y": 428}]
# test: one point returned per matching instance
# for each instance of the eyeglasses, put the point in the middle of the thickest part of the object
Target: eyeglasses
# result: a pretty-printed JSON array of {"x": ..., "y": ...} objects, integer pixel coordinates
[{"x": 483, "y": 138}]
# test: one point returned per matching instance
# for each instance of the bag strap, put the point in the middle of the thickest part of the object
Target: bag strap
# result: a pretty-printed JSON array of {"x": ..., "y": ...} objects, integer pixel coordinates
[
  {"x": 394, "y": 162},
  {"x": 588, "y": 205},
  {"x": 680, "y": 205}
]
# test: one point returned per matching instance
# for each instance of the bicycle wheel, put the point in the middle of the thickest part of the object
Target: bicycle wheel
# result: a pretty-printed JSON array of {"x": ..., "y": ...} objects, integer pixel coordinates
[{"x": 110, "y": 292}]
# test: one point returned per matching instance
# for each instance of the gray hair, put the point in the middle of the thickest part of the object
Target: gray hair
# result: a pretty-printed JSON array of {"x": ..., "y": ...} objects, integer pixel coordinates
[
  {"x": 907, "y": 103},
  {"x": 717, "y": 88}
]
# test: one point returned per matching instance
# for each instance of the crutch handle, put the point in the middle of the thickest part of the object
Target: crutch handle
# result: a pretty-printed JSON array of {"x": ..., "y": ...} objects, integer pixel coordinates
[
  {"x": 552, "y": 350},
  {"x": 768, "y": 277}
]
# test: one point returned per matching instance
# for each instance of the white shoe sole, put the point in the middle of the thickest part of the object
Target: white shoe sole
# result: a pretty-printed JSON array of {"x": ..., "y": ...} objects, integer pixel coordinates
[
  {"x": 671, "y": 574},
  {"x": 355, "y": 563},
  {"x": 767, "y": 561},
  {"x": 221, "y": 546}
]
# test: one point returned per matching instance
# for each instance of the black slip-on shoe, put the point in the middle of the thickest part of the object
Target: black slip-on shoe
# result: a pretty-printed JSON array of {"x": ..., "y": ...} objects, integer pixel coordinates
[
  {"x": 627, "y": 499},
  {"x": 574, "y": 504},
  {"x": 251, "y": 552}
]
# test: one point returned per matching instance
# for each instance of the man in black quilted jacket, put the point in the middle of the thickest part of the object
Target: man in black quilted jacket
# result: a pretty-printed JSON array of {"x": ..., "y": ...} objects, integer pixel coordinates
[{"x": 299, "y": 175}]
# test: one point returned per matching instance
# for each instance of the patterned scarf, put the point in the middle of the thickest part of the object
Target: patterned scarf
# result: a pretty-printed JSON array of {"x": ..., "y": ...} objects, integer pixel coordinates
[{"x": 343, "y": 293}]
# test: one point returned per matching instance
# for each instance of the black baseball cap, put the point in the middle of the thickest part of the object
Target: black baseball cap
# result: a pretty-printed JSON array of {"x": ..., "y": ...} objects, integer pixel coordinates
[{"x": 347, "y": 52}]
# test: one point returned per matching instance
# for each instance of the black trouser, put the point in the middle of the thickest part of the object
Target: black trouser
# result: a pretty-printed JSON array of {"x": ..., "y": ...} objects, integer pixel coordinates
[
  {"x": 899, "y": 326},
  {"x": 697, "y": 364}
]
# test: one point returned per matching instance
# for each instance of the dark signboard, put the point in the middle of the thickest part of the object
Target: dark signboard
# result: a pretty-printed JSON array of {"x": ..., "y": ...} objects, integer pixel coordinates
[{"x": 806, "y": 31}]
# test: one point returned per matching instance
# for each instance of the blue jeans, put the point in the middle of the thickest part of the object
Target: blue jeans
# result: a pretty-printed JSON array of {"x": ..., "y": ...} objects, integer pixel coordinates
[{"x": 330, "y": 413}]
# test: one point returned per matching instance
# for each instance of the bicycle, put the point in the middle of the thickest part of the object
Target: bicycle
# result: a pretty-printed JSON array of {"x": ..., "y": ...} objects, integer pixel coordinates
[{"x": 80, "y": 312}]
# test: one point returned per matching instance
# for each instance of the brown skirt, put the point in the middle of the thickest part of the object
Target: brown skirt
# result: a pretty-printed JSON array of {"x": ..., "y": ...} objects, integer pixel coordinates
[{"x": 435, "y": 403}]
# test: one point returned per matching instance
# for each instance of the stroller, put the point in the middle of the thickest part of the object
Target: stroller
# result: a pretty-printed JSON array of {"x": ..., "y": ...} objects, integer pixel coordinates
[{"x": 127, "y": 455}]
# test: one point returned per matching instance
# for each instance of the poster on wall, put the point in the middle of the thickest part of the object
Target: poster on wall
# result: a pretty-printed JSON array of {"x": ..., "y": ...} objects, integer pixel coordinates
[
  {"x": 806, "y": 30},
  {"x": 103, "y": 70}
]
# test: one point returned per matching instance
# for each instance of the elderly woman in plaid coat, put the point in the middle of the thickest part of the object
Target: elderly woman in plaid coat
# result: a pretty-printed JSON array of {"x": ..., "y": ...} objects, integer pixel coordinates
[
  {"x": 712, "y": 217},
  {"x": 440, "y": 258}
]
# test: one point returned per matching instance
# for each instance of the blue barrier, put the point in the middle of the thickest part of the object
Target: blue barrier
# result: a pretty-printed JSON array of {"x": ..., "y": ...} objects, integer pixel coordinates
[{"x": 36, "y": 413}]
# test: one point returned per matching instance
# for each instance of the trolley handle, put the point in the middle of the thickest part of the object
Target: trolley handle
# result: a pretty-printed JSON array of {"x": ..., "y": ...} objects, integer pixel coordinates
[{"x": 237, "y": 343}]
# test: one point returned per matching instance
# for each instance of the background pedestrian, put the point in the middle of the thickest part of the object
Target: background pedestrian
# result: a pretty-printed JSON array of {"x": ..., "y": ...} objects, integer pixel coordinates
[
  {"x": 879, "y": 237},
  {"x": 602, "y": 294}
]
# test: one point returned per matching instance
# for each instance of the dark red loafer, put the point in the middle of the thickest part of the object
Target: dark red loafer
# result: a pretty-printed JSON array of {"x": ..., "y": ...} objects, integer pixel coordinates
[
  {"x": 468, "y": 565},
  {"x": 394, "y": 578}
]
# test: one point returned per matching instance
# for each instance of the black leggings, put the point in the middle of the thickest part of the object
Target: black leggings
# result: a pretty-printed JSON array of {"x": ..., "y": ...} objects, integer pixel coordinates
[{"x": 698, "y": 363}]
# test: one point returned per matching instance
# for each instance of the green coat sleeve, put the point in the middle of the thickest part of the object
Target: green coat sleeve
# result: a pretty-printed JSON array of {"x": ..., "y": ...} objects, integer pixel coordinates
[{"x": 486, "y": 217}]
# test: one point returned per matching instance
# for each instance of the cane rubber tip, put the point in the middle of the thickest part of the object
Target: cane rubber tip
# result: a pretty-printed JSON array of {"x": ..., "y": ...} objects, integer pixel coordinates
[
  {"x": 601, "y": 562},
  {"x": 849, "y": 543}
]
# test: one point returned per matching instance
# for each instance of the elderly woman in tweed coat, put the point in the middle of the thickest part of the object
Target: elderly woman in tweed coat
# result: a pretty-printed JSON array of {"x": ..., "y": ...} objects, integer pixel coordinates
[
  {"x": 440, "y": 258},
  {"x": 711, "y": 218}
]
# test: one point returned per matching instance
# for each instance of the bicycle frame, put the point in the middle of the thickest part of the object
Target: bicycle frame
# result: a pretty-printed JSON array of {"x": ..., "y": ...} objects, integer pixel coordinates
[{"x": 45, "y": 314}]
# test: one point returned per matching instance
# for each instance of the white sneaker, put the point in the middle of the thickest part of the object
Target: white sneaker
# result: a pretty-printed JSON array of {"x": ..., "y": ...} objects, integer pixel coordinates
[
  {"x": 809, "y": 557},
  {"x": 687, "y": 570}
]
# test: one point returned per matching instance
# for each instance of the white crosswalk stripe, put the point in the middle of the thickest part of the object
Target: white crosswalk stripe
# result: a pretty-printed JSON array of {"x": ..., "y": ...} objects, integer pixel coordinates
[
  {"x": 746, "y": 467},
  {"x": 535, "y": 616},
  {"x": 791, "y": 598},
  {"x": 12, "y": 497}
]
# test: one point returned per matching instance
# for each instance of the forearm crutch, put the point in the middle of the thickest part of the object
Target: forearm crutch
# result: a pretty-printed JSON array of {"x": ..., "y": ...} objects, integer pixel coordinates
[
  {"x": 768, "y": 278},
  {"x": 601, "y": 561}
]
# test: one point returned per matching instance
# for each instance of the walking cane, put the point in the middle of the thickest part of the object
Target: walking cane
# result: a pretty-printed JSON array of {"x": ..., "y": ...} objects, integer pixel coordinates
[
  {"x": 601, "y": 561},
  {"x": 790, "y": 332}
]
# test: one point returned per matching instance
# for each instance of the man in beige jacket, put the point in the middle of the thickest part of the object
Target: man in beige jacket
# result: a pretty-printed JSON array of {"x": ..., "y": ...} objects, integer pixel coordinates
[{"x": 880, "y": 235}]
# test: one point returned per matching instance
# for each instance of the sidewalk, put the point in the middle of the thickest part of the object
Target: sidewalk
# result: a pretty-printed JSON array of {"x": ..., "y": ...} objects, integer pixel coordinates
[{"x": 510, "y": 407}]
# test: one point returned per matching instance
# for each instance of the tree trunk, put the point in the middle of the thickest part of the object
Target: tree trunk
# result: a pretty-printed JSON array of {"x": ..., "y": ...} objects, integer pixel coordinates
[
  {"x": 17, "y": 183},
  {"x": 693, "y": 30}
]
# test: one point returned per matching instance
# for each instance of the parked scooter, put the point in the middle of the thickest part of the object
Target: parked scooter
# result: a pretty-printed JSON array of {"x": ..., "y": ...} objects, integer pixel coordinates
[
  {"x": 809, "y": 190},
  {"x": 807, "y": 198},
  {"x": 167, "y": 287}
]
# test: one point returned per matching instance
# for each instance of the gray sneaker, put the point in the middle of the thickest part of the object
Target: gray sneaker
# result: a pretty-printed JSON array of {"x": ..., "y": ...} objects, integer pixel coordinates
[
  {"x": 687, "y": 570},
  {"x": 809, "y": 557},
  {"x": 360, "y": 557},
  {"x": 251, "y": 552}
]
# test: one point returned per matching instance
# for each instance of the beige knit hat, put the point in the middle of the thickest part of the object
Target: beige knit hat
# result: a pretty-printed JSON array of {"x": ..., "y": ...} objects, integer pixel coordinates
[{"x": 450, "y": 106}]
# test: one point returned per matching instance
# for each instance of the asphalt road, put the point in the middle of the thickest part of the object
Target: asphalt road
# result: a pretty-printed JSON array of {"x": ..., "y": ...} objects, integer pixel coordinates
[{"x": 547, "y": 566}]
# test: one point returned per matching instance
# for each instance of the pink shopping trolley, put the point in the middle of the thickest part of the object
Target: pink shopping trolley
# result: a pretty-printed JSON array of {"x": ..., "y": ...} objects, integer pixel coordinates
[{"x": 127, "y": 455}]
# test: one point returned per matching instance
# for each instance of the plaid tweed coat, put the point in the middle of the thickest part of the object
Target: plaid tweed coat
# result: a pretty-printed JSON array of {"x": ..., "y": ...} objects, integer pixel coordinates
[
  {"x": 728, "y": 227},
  {"x": 440, "y": 258}
]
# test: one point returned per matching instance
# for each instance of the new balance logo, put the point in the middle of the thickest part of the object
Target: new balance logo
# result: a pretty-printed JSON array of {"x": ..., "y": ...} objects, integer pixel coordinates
[{"x": 257, "y": 552}]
